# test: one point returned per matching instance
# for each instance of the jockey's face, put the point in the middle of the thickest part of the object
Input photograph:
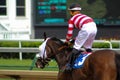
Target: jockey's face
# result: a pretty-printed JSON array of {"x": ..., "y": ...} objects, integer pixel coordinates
[{"x": 72, "y": 13}]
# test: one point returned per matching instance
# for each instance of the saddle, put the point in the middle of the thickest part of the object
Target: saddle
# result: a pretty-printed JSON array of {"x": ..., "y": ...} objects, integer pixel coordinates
[{"x": 79, "y": 61}]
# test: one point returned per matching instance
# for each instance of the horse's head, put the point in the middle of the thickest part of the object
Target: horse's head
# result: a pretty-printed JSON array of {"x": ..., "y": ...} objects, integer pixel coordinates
[{"x": 49, "y": 49}]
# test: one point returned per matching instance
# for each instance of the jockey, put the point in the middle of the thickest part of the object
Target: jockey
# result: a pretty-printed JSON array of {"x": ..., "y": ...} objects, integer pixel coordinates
[{"x": 86, "y": 35}]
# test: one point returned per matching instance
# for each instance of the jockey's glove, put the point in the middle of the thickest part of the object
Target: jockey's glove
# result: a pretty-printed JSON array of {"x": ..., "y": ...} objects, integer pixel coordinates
[{"x": 66, "y": 43}]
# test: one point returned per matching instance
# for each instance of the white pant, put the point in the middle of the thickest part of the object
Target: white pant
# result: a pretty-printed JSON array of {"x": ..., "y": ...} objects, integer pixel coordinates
[{"x": 86, "y": 36}]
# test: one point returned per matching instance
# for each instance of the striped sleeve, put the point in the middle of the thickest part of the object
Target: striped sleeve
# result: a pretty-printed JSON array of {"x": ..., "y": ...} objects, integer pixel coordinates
[{"x": 70, "y": 30}]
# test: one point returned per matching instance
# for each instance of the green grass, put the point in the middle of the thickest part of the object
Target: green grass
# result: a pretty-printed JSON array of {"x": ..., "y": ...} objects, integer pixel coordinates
[
  {"x": 7, "y": 79},
  {"x": 24, "y": 62},
  {"x": 16, "y": 64}
]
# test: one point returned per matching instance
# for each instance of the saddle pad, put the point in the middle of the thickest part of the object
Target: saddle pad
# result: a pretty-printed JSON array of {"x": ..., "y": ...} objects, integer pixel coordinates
[{"x": 78, "y": 63}]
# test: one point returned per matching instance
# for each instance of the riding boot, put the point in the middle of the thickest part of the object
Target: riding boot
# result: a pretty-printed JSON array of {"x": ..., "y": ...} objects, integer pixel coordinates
[{"x": 71, "y": 58}]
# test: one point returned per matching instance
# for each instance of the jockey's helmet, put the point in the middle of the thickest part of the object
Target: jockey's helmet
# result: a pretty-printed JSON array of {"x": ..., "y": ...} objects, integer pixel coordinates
[{"x": 74, "y": 7}]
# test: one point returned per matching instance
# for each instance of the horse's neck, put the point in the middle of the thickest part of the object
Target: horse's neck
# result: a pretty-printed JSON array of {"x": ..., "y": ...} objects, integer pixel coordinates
[{"x": 61, "y": 59}]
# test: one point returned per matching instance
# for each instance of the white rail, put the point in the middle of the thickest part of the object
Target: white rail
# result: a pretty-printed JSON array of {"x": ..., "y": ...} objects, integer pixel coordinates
[{"x": 21, "y": 49}]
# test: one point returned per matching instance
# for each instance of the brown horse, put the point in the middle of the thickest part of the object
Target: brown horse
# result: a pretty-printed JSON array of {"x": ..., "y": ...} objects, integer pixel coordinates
[{"x": 100, "y": 65}]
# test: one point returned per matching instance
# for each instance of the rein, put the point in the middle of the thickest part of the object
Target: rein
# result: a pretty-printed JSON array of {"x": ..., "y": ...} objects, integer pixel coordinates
[
  {"x": 62, "y": 47},
  {"x": 66, "y": 46}
]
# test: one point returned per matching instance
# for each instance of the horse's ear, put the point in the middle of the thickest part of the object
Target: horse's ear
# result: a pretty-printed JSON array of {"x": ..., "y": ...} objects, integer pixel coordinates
[{"x": 45, "y": 36}]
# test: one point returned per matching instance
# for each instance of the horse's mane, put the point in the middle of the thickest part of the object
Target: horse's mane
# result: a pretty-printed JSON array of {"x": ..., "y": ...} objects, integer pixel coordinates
[
  {"x": 68, "y": 48},
  {"x": 57, "y": 40}
]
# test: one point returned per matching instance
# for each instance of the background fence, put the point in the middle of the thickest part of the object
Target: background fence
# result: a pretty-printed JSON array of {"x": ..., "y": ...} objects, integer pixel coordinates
[
  {"x": 21, "y": 49},
  {"x": 37, "y": 75}
]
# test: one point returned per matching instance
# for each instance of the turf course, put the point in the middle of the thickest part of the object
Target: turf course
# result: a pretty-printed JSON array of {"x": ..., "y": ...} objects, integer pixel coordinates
[{"x": 16, "y": 64}]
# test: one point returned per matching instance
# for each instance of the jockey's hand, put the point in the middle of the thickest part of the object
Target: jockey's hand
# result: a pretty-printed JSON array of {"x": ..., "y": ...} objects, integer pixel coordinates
[
  {"x": 66, "y": 43},
  {"x": 72, "y": 41}
]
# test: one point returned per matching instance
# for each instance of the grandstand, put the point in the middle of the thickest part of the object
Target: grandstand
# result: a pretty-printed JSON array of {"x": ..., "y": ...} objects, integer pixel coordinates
[{"x": 26, "y": 19}]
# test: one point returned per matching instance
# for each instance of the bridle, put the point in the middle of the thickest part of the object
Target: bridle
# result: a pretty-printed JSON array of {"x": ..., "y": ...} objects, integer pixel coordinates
[{"x": 43, "y": 58}]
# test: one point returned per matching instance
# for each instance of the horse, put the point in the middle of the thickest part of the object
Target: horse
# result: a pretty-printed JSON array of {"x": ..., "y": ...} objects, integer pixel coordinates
[{"x": 100, "y": 65}]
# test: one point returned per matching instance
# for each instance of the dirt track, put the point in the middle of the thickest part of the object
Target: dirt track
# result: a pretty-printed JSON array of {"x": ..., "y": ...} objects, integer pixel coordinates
[{"x": 28, "y": 75}]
